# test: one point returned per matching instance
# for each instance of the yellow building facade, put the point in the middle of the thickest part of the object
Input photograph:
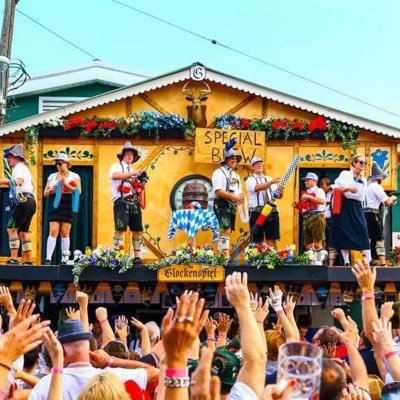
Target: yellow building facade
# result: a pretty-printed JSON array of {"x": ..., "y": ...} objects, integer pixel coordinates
[{"x": 168, "y": 161}]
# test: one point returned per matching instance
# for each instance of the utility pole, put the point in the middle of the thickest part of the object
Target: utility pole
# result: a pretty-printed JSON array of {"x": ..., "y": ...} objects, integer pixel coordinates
[{"x": 5, "y": 53}]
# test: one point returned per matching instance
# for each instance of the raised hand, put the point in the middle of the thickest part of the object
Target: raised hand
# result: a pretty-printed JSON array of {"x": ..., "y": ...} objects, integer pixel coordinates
[
  {"x": 54, "y": 348},
  {"x": 352, "y": 392},
  {"x": 224, "y": 323},
  {"x": 387, "y": 310},
  {"x": 237, "y": 291},
  {"x": 289, "y": 304},
  {"x": 275, "y": 298},
  {"x": 122, "y": 328},
  {"x": 339, "y": 315},
  {"x": 24, "y": 311},
  {"x": 382, "y": 334},
  {"x": 101, "y": 314},
  {"x": 350, "y": 334},
  {"x": 82, "y": 299},
  {"x": 253, "y": 301},
  {"x": 71, "y": 313},
  {"x": 138, "y": 324},
  {"x": 21, "y": 339},
  {"x": 210, "y": 327},
  {"x": 6, "y": 299},
  {"x": 205, "y": 387},
  {"x": 365, "y": 275},
  {"x": 181, "y": 329}
]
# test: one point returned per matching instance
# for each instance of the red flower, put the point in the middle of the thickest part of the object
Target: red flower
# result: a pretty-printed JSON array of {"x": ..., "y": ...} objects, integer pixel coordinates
[
  {"x": 121, "y": 247},
  {"x": 72, "y": 123},
  {"x": 318, "y": 124},
  {"x": 260, "y": 247},
  {"x": 198, "y": 247},
  {"x": 297, "y": 125},
  {"x": 245, "y": 123},
  {"x": 278, "y": 125},
  {"x": 190, "y": 244},
  {"x": 268, "y": 250},
  {"x": 282, "y": 254},
  {"x": 398, "y": 257},
  {"x": 89, "y": 126}
]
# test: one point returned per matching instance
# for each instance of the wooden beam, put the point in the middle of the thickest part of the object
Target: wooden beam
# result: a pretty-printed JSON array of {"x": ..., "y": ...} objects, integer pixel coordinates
[
  {"x": 153, "y": 103},
  {"x": 236, "y": 108}
]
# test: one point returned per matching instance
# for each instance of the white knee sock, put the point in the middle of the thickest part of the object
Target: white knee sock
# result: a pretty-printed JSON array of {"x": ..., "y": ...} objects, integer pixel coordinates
[
  {"x": 64, "y": 246},
  {"x": 51, "y": 245},
  {"x": 346, "y": 256},
  {"x": 367, "y": 254}
]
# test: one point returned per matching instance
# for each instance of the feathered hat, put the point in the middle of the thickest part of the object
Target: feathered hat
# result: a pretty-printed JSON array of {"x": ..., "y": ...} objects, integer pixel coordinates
[
  {"x": 229, "y": 152},
  {"x": 377, "y": 173}
]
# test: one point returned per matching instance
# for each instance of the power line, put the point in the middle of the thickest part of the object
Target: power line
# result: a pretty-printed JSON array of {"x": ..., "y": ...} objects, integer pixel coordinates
[
  {"x": 213, "y": 41},
  {"x": 56, "y": 34}
]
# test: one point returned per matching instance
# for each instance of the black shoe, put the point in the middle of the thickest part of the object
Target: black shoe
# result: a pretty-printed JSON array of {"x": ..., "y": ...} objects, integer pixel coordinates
[
  {"x": 47, "y": 262},
  {"x": 12, "y": 261},
  {"x": 373, "y": 263},
  {"x": 347, "y": 265},
  {"x": 137, "y": 261},
  {"x": 27, "y": 263}
]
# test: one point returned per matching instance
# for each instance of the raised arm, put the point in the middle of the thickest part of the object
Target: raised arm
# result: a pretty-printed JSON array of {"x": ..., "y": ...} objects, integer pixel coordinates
[
  {"x": 252, "y": 372},
  {"x": 83, "y": 301},
  {"x": 289, "y": 306},
  {"x": 102, "y": 317}
]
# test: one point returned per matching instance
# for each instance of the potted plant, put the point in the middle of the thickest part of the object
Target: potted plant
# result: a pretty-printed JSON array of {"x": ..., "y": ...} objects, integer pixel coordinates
[{"x": 317, "y": 128}]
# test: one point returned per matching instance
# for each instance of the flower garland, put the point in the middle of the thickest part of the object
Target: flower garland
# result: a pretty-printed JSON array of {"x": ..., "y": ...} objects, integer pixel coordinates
[
  {"x": 188, "y": 254},
  {"x": 394, "y": 256},
  {"x": 103, "y": 257},
  {"x": 284, "y": 128},
  {"x": 269, "y": 257}
]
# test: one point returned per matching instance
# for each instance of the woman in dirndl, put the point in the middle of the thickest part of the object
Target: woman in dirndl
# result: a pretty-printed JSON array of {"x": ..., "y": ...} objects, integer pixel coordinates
[
  {"x": 61, "y": 215},
  {"x": 348, "y": 230}
]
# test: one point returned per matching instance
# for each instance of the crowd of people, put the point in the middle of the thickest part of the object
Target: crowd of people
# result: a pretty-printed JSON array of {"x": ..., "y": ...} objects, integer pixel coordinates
[{"x": 198, "y": 356}]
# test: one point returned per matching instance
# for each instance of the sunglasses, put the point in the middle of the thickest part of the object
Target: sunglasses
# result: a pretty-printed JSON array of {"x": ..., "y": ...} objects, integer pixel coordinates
[
  {"x": 59, "y": 163},
  {"x": 361, "y": 162}
]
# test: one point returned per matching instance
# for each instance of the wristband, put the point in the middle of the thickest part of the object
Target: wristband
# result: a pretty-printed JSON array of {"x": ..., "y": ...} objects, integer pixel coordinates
[
  {"x": 259, "y": 321},
  {"x": 56, "y": 370},
  {"x": 177, "y": 382},
  {"x": 222, "y": 335},
  {"x": 211, "y": 339},
  {"x": 367, "y": 296},
  {"x": 110, "y": 362},
  {"x": 390, "y": 354},
  {"x": 176, "y": 373},
  {"x": 103, "y": 320},
  {"x": 6, "y": 366}
]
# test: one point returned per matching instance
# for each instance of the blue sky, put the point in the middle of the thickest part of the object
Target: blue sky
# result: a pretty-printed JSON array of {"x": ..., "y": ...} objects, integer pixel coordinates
[{"x": 351, "y": 45}]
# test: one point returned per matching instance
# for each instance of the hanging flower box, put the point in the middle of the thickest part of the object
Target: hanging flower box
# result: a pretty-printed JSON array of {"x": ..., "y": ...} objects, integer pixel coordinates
[{"x": 59, "y": 131}]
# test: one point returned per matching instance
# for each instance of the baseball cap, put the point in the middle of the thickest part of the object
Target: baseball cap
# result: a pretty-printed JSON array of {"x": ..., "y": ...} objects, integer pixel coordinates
[
  {"x": 256, "y": 159},
  {"x": 311, "y": 175}
]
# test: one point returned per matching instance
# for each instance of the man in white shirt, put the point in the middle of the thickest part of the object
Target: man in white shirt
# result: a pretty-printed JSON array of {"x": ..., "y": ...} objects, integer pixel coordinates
[
  {"x": 78, "y": 369},
  {"x": 228, "y": 195},
  {"x": 127, "y": 187},
  {"x": 261, "y": 188},
  {"x": 313, "y": 212},
  {"x": 23, "y": 204},
  {"x": 374, "y": 197}
]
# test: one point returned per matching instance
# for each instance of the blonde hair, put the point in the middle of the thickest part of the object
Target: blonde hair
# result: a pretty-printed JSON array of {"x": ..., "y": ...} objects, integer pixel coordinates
[
  {"x": 356, "y": 157},
  {"x": 105, "y": 386}
]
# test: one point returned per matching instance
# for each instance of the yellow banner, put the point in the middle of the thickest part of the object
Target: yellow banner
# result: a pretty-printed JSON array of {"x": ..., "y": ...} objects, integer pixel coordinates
[
  {"x": 209, "y": 145},
  {"x": 191, "y": 273}
]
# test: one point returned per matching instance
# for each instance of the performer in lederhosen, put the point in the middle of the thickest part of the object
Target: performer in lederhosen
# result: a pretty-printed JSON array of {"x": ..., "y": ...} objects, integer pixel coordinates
[
  {"x": 260, "y": 188},
  {"x": 325, "y": 185},
  {"x": 61, "y": 215},
  {"x": 127, "y": 186},
  {"x": 374, "y": 198},
  {"x": 312, "y": 207},
  {"x": 228, "y": 195},
  {"x": 23, "y": 204},
  {"x": 349, "y": 227}
]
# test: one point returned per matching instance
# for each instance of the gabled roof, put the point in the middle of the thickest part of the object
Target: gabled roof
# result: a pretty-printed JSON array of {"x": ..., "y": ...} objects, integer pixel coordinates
[
  {"x": 95, "y": 71},
  {"x": 213, "y": 76}
]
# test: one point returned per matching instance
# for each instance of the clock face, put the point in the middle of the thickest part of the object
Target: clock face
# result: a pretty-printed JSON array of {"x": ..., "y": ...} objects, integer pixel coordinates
[{"x": 177, "y": 190}]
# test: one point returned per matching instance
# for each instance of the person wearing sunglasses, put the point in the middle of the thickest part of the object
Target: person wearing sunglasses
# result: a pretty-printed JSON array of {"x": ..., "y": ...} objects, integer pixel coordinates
[
  {"x": 348, "y": 226},
  {"x": 61, "y": 215}
]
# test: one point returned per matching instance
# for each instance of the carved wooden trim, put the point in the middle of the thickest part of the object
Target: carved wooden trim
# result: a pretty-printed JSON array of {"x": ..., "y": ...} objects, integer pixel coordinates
[
  {"x": 153, "y": 103},
  {"x": 236, "y": 108}
]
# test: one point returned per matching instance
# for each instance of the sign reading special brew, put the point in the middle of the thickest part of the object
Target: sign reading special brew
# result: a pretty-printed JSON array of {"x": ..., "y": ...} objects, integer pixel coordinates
[
  {"x": 210, "y": 143},
  {"x": 191, "y": 273}
]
